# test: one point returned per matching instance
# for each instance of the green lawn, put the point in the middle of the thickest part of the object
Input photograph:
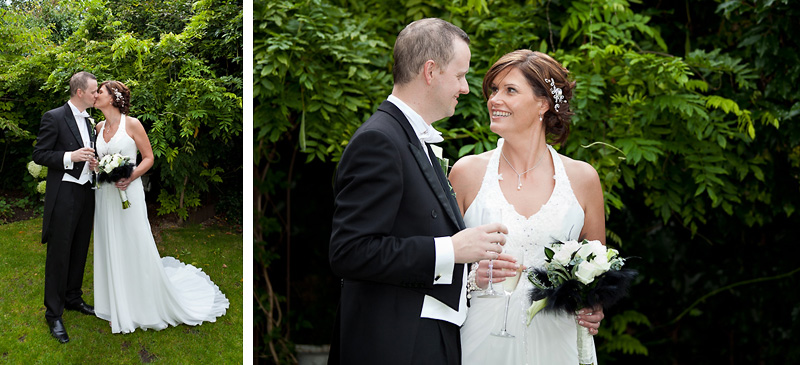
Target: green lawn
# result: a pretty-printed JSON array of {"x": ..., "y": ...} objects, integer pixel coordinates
[{"x": 24, "y": 336}]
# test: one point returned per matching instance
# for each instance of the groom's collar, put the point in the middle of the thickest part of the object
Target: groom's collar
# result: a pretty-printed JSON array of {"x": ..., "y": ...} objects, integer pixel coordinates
[
  {"x": 424, "y": 131},
  {"x": 74, "y": 109}
]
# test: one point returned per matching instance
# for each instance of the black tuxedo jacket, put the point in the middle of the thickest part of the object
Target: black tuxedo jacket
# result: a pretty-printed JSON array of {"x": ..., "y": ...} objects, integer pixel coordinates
[
  {"x": 390, "y": 203},
  {"x": 58, "y": 133}
]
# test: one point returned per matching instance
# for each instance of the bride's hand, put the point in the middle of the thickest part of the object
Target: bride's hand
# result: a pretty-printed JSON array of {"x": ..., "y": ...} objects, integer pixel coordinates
[
  {"x": 590, "y": 318},
  {"x": 122, "y": 184},
  {"x": 499, "y": 275}
]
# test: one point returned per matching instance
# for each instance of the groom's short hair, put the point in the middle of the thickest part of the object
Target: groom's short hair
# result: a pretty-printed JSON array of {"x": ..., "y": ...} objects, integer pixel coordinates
[
  {"x": 423, "y": 40},
  {"x": 79, "y": 80}
]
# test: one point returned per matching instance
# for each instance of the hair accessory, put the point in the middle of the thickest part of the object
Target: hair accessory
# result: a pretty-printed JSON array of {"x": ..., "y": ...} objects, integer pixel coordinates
[
  {"x": 558, "y": 96},
  {"x": 118, "y": 96}
]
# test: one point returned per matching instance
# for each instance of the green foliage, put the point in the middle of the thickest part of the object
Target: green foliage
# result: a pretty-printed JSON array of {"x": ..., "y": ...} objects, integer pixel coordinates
[
  {"x": 616, "y": 337},
  {"x": 6, "y": 210},
  {"x": 317, "y": 76}
]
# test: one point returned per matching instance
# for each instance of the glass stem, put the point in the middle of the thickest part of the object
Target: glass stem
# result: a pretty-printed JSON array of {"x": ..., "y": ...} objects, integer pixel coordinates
[
  {"x": 491, "y": 264},
  {"x": 505, "y": 314}
]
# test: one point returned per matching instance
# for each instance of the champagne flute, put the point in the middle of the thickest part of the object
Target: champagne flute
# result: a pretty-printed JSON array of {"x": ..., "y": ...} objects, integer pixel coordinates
[
  {"x": 486, "y": 217},
  {"x": 90, "y": 144},
  {"x": 509, "y": 286}
]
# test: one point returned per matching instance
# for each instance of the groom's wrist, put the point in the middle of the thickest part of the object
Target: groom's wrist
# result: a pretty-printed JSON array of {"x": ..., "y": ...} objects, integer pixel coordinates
[
  {"x": 445, "y": 260},
  {"x": 68, "y": 164}
]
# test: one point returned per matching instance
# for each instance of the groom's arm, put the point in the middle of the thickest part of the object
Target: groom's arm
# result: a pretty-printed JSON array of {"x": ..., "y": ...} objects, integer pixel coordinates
[
  {"x": 44, "y": 152},
  {"x": 369, "y": 193}
]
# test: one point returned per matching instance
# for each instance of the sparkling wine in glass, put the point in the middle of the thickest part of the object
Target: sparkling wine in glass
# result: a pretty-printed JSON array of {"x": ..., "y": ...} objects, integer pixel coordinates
[
  {"x": 486, "y": 218},
  {"x": 90, "y": 144},
  {"x": 509, "y": 286}
]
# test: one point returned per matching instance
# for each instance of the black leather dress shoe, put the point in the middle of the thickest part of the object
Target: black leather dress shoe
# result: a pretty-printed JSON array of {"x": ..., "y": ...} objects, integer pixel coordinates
[
  {"x": 58, "y": 330},
  {"x": 81, "y": 307}
]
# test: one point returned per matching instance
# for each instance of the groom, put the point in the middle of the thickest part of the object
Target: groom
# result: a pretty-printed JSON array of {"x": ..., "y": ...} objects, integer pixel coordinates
[
  {"x": 69, "y": 200},
  {"x": 398, "y": 240}
]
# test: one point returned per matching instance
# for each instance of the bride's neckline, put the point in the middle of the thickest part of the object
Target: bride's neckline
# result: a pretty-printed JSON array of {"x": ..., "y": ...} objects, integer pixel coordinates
[
  {"x": 119, "y": 123},
  {"x": 505, "y": 199}
]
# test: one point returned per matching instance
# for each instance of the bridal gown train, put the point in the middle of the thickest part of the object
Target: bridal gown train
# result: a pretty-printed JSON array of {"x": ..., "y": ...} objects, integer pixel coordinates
[
  {"x": 550, "y": 338},
  {"x": 133, "y": 286}
]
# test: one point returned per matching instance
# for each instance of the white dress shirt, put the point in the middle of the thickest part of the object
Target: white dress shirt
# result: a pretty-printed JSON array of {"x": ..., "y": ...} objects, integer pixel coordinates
[
  {"x": 445, "y": 254},
  {"x": 80, "y": 120}
]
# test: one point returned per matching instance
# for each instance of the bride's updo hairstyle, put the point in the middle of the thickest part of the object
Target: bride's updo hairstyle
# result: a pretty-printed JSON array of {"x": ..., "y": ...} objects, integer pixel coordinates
[
  {"x": 540, "y": 69},
  {"x": 120, "y": 95}
]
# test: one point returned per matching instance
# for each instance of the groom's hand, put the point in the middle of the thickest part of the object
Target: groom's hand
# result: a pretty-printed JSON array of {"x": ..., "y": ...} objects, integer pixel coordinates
[
  {"x": 84, "y": 154},
  {"x": 479, "y": 243}
]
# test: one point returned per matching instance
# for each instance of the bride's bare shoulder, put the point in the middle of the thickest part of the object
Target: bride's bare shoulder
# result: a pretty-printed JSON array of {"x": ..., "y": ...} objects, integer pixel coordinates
[
  {"x": 470, "y": 163},
  {"x": 468, "y": 171},
  {"x": 134, "y": 123}
]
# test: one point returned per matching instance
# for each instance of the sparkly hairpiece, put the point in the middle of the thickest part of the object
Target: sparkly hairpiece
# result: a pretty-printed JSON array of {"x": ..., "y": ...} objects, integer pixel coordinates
[
  {"x": 558, "y": 96},
  {"x": 118, "y": 96}
]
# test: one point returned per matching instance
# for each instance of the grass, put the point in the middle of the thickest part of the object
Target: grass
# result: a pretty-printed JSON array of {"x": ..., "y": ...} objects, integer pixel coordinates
[{"x": 25, "y": 338}]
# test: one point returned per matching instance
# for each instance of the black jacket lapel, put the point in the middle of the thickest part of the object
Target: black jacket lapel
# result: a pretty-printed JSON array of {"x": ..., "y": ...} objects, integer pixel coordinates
[
  {"x": 433, "y": 180},
  {"x": 73, "y": 126},
  {"x": 451, "y": 195},
  {"x": 431, "y": 176}
]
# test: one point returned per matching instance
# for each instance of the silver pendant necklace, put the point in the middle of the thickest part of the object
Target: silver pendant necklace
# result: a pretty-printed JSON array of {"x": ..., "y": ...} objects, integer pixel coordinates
[{"x": 519, "y": 175}]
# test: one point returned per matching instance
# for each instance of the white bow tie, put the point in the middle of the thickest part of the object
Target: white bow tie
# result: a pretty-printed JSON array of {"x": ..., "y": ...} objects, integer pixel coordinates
[
  {"x": 83, "y": 114},
  {"x": 431, "y": 135}
]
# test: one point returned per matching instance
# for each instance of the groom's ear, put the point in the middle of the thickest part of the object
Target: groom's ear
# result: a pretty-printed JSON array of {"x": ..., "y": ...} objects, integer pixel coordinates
[{"x": 428, "y": 69}]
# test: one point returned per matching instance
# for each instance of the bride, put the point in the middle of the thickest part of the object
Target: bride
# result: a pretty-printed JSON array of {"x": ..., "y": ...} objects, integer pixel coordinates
[
  {"x": 540, "y": 195},
  {"x": 133, "y": 286}
]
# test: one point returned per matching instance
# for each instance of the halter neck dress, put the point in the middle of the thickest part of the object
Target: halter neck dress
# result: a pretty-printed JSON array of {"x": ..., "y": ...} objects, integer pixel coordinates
[{"x": 550, "y": 338}]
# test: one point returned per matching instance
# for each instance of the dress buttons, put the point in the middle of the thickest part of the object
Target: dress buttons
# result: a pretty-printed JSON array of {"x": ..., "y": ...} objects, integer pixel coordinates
[{"x": 433, "y": 214}]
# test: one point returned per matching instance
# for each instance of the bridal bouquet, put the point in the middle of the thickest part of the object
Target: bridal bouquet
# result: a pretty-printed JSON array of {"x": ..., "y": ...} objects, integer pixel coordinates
[
  {"x": 578, "y": 275},
  {"x": 115, "y": 167}
]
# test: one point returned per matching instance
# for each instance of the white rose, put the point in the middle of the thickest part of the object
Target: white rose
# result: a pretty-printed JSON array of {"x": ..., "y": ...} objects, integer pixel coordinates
[
  {"x": 587, "y": 271},
  {"x": 564, "y": 254},
  {"x": 593, "y": 247}
]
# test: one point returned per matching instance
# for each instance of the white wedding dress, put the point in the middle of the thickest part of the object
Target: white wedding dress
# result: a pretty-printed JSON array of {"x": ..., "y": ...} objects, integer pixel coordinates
[
  {"x": 133, "y": 286},
  {"x": 550, "y": 339}
]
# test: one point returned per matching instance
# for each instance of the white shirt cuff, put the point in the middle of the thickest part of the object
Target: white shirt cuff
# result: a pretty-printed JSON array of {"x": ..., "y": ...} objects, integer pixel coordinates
[
  {"x": 445, "y": 260},
  {"x": 68, "y": 164}
]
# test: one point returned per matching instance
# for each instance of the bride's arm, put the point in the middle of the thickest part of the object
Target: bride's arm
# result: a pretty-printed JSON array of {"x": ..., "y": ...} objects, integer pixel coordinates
[{"x": 139, "y": 136}]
